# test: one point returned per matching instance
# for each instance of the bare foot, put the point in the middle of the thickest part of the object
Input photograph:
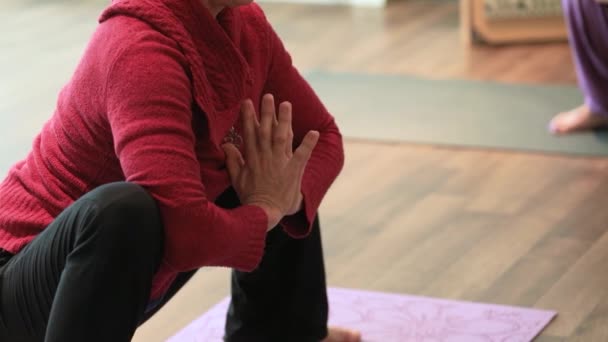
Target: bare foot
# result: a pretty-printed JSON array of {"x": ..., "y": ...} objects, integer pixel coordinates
[
  {"x": 337, "y": 334},
  {"x": 578, "y": 119}
]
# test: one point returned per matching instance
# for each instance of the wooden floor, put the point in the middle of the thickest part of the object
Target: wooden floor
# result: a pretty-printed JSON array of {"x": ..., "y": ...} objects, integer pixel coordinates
[{"x": 500, "y": 227}]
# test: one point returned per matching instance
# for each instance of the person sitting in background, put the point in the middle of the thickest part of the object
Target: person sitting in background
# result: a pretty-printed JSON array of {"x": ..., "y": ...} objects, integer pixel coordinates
[
  {"x": 166, "y": 154},
  {"x": 588, "y": 31}
]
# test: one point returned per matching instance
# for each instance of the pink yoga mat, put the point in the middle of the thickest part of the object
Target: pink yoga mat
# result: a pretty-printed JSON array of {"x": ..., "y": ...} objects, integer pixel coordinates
[{"x": 383, "y": 317}]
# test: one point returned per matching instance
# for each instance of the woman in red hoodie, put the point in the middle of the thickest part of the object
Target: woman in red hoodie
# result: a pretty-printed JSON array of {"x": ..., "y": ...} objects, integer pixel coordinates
[{"x": 166, "y": 154}]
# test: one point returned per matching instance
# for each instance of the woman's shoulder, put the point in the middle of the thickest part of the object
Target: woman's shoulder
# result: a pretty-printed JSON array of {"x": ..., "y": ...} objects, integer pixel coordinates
[
  {"x": 122, "y": 32},
  {"x": 122, "y": 38},
  {"x": 126, "y": 49}
]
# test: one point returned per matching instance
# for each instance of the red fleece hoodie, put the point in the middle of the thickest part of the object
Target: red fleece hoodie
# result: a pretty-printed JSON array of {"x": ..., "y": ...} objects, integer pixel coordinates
[{"x": 155, "y": 93}]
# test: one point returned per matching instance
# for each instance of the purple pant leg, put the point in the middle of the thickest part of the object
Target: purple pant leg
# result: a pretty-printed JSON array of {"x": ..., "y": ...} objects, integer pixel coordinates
[{"x": 588, "y": 31}]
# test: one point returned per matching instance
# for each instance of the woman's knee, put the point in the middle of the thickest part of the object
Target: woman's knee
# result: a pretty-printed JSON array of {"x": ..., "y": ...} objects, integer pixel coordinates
[{"x": 126, "y": 213}]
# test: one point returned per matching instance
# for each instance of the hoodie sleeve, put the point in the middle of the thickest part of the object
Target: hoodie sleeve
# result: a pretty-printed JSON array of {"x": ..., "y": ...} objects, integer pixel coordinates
[
  {"x": 148, "y": 104},
  {"x": 286, "y": 84}
]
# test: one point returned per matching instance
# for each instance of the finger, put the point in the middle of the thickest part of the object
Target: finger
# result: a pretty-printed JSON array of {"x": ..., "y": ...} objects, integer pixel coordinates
[
  {"x": 289, "y": 142},
  {"x": 267, "y": 120},
  {"x": 304, "y": 151},
  {"x": 249, "y": 130},
  {"x": 297, "y": 201},
  {"x": 234, "y": 161},
  {"x": 281, "y": 132}
]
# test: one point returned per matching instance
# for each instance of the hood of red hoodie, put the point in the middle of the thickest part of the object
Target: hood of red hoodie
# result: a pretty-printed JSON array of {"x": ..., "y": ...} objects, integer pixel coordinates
[{"x": 210, "y": 46}]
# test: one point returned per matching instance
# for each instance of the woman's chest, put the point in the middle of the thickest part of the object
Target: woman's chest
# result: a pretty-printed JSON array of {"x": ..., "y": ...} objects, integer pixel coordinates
[{"x": 208, "y": 151}]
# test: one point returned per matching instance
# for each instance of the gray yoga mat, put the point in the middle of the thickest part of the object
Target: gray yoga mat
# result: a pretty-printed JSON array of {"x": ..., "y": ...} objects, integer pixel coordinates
[{"x": 453, "y": 112}]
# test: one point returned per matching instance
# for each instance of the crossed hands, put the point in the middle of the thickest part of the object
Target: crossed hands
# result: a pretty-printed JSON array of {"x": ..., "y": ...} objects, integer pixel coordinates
[{"x": 270, "y": 173}]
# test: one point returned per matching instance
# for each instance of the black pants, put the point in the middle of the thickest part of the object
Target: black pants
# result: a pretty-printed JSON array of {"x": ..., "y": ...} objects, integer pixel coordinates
[{"x": 87, "y": 277}]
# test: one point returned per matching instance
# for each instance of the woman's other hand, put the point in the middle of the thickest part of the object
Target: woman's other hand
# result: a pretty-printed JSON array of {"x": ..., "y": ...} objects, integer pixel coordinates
[{"x": 270, "y": 174}]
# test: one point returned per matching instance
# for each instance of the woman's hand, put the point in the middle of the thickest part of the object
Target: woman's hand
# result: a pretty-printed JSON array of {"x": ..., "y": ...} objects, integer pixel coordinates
[{"x": 270, "y": 174}]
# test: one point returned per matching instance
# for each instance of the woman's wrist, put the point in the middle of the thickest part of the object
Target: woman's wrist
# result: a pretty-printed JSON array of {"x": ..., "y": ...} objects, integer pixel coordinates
[{"x": 273, "y": 214}]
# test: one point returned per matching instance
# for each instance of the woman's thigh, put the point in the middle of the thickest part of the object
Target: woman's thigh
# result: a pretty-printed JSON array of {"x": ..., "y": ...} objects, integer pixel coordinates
[{"x": 29, "y": 281}]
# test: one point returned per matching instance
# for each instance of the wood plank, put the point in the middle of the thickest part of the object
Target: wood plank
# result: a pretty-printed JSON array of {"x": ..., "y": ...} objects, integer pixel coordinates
[
  {"x": 595, "y": 325},
  {"x": 512, "y": 238},
  {"x": 358, "y": 265},
  {"x": 578, "y": 292},
  {"x": 535, "y": 272}
]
